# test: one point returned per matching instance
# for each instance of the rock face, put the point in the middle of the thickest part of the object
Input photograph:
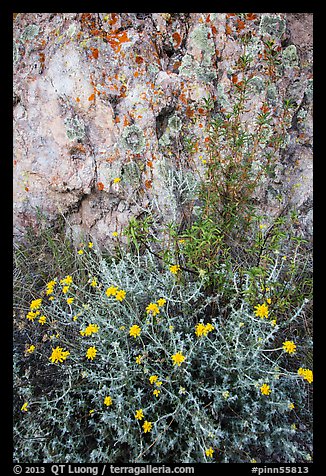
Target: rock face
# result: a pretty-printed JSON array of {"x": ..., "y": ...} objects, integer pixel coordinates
[{"x": 108, "y": 118}]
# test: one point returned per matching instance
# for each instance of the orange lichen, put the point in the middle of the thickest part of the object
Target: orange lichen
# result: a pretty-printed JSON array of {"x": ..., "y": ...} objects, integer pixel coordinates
[{"x": 176, "y": 39}]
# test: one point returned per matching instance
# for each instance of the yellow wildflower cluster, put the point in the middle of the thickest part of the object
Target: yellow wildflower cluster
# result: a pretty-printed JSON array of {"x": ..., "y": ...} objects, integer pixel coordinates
[
  {"x": 67, "y": 280},
  {"x": 265, "y": 389},
  {"x": 58, "y": 355},
  {"x": 175, "y": 268},
  {"x": 147, "y": 426},
  {"x": 91, "y": 353},
  {"x": 209, "y": 452},
  {"x": 306, "y": 374},
  {"x": 289, "y": 347},
  {"x": 134, "y": 331},
  {"x": 154, "y": 380},
  {"x": 261, "y": 310},
  {"x": 90, "y": 329},
  {"x": 108, "y": 401},
  {"x": 119, "y": 294},
  {"x": 152, "y": 308},
  {"x": 31, "y": 315},
  {"x": 202, "y": 329},
  {"x": 50, "y": 287},
  {"x": 178, "y": 358},
  {"x": 36, "y": 304}
]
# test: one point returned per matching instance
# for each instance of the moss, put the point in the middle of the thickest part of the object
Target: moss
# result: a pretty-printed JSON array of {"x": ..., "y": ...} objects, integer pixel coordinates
[
  {"x": 290, "y": 56},
  {"x": 30, "y": 32},
  {"x": 133, "y": 139},
  {"x": 273, "y": 25},
  {"x": 75, "y": 128}
]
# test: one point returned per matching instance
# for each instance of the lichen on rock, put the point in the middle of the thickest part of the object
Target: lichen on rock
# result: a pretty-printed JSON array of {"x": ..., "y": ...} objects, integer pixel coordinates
[
  {"x": 75, "y": 128},
  {"x": 290, "y": 56},
  {"x": 132, "y": 138},
  {"x": 30, "y": 32},
  {"x": 273, "y": 25}
]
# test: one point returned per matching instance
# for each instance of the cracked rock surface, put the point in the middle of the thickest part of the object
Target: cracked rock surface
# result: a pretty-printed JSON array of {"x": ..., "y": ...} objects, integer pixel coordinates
[{"x": 104, "y": 96}]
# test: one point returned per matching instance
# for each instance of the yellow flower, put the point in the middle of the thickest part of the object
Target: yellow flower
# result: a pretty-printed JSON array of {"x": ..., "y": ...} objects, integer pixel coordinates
[
  {"x": 24, "y": 407},
  {"x": 152, "y": 308},
  {"x": 290, "y": 406},
  {"x": 70, "y": 300},
  {"x": 111, "y": 291},
  {"x": 31, "y": 349},
  {"x": 90, "y": 244},
  {"x": 200, "y": 329},
  {"x": 174, "y": 268},
  {"x": 51, "y": 298},
  {"x": 120, "y": 295},
  {"x": 178, "y": 358},
  {"x": 209, "y": 452},
  {"x": 209, "y": 327},
  {"x": 91, "y": 412},
  {"x": 265, "y": 389},
  {"x": 65, "y": 289},
  {"x": 80, "y": 252},
  {"x": 156, "y": 392},
  {"x": 261, "y": 310},
  {"x": 226, "y": 394},
  {"x": 158, "y": 384},
  {"x": 273, "y": 322},
  {"x": 93, "y": 282},
  {"x": 171, "y": 328},
  {"x": 50, "y": 287},
  {"x": 253, "y": 460},
  {"x": 117, "y": 180},
  {"x": 161, "y": 302},
  {"x": 66, "y": 280},
  {"x": 147, "y": 426},
  {"x": 108, "y": 401},
  {"x": 58, "y": 355},
  {"x": 31, "y": 315},
  {"x": 153, "y": 378},
  {"x": 268, "y": 300},
  {"x": 115, "y": 233},
  {"x": 36, "y": 304},
  {"x": 90, "y": 329},
  {"x": 139, "y": 415},
  {"x": 138, "y": 359},
  {"x": 306, "y": 374},
  {"x": 134, "y": 331},
  {"x": 289, "y": 346},
  {"x": 42, "y": 320},
  {"x": 91, "y": 353}
]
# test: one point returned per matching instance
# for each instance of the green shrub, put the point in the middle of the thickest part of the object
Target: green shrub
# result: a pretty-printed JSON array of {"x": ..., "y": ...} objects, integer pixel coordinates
[{"x": 213, "y": 399}]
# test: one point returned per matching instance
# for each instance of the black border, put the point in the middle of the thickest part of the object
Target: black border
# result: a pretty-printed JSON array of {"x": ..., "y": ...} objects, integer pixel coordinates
[{"x": 6, "y": 30}]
